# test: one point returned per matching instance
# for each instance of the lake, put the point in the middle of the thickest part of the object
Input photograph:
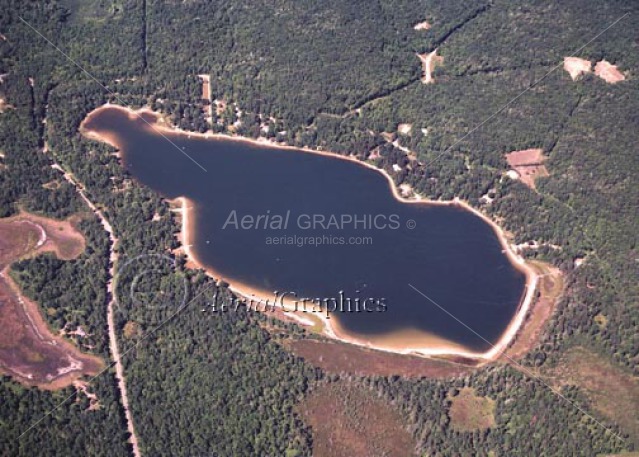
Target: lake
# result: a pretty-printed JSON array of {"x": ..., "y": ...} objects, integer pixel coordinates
[{"x": 277, "y": 219}]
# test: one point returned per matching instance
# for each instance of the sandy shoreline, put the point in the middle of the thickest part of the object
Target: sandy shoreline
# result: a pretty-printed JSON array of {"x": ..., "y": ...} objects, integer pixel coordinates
[{"x": 435, "y": 346}]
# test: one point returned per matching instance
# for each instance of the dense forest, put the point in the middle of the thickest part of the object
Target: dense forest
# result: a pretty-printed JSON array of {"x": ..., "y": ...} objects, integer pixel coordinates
[{"x": 339, "y": 76}]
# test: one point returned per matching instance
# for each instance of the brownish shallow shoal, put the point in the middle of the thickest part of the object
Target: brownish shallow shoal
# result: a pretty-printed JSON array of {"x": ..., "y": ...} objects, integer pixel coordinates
[{"x": 28, "y": 350}]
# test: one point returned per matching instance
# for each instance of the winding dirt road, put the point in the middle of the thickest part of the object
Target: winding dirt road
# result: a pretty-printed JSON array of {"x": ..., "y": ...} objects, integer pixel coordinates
[{"x": 113, "y": 341}]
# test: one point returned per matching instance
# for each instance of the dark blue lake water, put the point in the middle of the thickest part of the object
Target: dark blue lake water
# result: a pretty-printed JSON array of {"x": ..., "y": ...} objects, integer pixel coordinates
[{"x": 258, "y": 209}]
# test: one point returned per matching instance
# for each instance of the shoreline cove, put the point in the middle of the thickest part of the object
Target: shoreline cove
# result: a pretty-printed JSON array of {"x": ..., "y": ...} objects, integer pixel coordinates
[{"x": 434, "y": 346}]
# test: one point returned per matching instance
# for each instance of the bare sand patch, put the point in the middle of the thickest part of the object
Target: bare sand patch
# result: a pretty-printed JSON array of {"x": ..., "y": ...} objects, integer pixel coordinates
[
  {"x": 404, "y": 129},
  {"x": 206, "y": 87},
  {"x": 429, "y": 61},
  {"x": 4, "y": 106},
  {"x": 182, "y": 209},
  {"x": 528, "y": 164},
  {"x": 576, "y": 66},
  {"x": 525, "y": 157},
  {"x": 608, "y": 72},
  {"x": 83, "y": 387},
  {"x": 206, "y": 97},
  {"x": 425, "y": 25}
]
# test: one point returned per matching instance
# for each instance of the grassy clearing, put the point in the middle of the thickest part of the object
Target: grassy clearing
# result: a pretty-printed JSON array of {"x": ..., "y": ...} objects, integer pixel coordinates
[
  {"x": 613, "y": 392},
  {"x": 353, "y": 421},
  {"x": 470, "y": 412}
]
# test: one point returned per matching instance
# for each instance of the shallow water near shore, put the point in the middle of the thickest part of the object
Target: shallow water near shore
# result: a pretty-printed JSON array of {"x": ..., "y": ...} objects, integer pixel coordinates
[{"x": 256, "y": 208}]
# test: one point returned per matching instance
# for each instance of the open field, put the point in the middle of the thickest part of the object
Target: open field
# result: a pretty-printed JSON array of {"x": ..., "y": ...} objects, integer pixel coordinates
[
  {"x": 613, "y": 392},
  {"x": 529, "y": 165},
  {"x": 470, "y": 412},
  {"x": 347, "y": 420},
  {"x": 28, "y": 349}
]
